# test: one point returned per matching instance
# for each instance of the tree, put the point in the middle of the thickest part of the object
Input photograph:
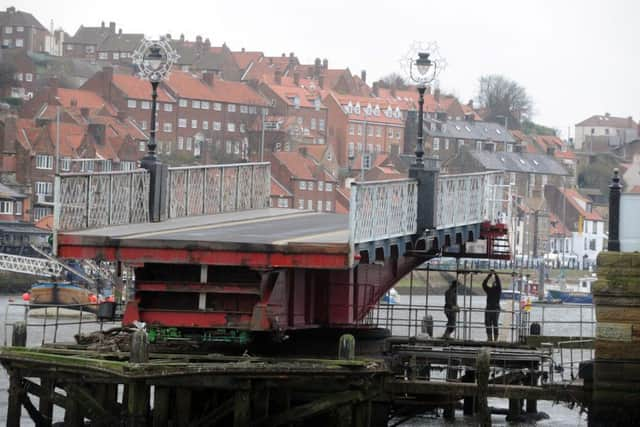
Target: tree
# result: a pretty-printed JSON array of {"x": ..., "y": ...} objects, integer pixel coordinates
[
  {"x": 500, "y": 96},
  {"x": 393, "y": 81}
]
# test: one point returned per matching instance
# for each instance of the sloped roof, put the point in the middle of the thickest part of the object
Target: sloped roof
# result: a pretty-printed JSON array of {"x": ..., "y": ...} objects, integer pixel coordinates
[
  {"x": 83, "y": 98},
  {"x": 479, "y": 131},
  {"x": 609, "y": 121},
  {"x": 573, "y": 196},
  {"x": 278, "y": 189},
  {"x": 519, "y": 162},
  {"x": 136, "y": 88},
  {"x": 90, "y": 35},
  {"x": 9, "y": 193},
  {"x": 244, "y": 58},
  {"x": 299, "y": 167},
  {"x": 121, "y": 42},
  {"x": 556, "y": 227},
  {"x": 14, "y": 17}
]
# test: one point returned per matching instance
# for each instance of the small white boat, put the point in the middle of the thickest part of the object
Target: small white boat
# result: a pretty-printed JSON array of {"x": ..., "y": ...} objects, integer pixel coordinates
[{"x": 391, "y": 297}]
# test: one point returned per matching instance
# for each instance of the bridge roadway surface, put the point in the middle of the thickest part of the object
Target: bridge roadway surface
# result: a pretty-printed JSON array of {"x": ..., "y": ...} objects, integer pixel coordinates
[{"x": 306, "y": 238}]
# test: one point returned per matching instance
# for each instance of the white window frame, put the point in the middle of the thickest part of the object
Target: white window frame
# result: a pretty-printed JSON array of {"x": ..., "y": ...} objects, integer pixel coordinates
[
  {"x": 183, "y": 103},
  {"x": 231, "y": 127},
  {"x": 44, "y": 161},
  {"x": 145, "y": 105},
  {"x": 194, "y": 124},
  {"x": 195, "y": 104},
  {"x": 231, "y": 108},
  {"x": 6, "y": 207},
  {"x": 328, "y": 186},
  {"x": 182, "y": 123},
  {"x": 217, "y": 106},
  {"x": 168, "y": 108},
  {"x": 327, "y": 206},
  {"x": 167, "y": 127}
]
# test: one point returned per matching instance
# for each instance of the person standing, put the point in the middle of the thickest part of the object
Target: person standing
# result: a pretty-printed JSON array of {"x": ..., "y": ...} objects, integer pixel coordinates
[
  {"x": 493, "y": 288},
  {"x": 451, "y": 308}
]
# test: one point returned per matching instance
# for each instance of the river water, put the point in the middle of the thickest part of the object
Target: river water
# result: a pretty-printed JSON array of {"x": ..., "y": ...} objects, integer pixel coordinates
[{"x": 558, "y": 320}]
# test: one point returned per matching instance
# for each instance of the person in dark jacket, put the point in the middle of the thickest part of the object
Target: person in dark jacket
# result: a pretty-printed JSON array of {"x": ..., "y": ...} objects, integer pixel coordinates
[
  {"x": 451, "y": 308},
  {"x": 493, "y": 288}
]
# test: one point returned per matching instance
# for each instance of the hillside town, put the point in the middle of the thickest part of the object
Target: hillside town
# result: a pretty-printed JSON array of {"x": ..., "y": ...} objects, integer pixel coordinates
[{"x": 72, "y": 102}]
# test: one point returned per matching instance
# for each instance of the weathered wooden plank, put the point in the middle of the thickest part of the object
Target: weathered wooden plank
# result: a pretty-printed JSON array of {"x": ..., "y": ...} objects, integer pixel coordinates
[
  {"x": 14, "y": 406},
  {"x": 482, "y": 376},
  {"x": 215, "y": 415},
  {"x": 242, "y": 409},
  {"x": 137, "y": 404},
  {"x": 161, "y": 406},
  {"x": 183, "y": 406},
  {"x": 47, "y": 388}
]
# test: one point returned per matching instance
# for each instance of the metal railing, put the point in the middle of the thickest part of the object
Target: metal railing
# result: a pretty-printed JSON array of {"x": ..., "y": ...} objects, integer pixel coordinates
[
  {"x": 469, "y": 199},
  {"x": 211, "y": 189},
  {"x": 87, "y": 200},
  {"x": 383, "y": 210}
]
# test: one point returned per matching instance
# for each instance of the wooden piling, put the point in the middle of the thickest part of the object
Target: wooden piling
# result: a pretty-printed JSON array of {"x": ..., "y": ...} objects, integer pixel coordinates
[
  {"x": 515, "y": 409},
  {"x": 139, "y": 347},
  {"x": 449, "y": 412},
  {"x": 45, "y": 404},
  {"x": 161, "y": 406},
  {"x": 138, "y": 404},
  {"x": 468, "y": 406},
  {"x": 482, "y": 377},
  {"x": 14, "y": 406},
  {"x": 19, "y": 334},
  {"x": 73, "y": 416},
  {"x": 242, "y": 409},
  {"x": 183, "y": 407},
  {"x": 347, "y": 347}
]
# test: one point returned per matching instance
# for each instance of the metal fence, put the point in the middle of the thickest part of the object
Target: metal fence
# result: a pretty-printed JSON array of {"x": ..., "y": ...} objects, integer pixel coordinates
[
  {"x": 383, "y": 209},
  {"x": 211, "y": 189},
  {"x": 101, "y": 199},
  {"x": 469, "y": 199}
]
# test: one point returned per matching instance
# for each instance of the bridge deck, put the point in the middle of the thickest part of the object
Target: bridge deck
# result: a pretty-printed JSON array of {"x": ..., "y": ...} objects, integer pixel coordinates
[{"x": 288, "y": 232}]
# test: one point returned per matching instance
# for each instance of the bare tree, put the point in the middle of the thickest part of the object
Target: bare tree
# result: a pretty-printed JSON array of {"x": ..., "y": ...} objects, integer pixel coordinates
[
  {"x": 393, "y": 81},
  {"x": 502, "y": 97}
]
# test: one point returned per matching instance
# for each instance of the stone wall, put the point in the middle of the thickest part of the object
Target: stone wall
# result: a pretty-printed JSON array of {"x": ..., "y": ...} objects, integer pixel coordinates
[{"x": 616, "y": 387}]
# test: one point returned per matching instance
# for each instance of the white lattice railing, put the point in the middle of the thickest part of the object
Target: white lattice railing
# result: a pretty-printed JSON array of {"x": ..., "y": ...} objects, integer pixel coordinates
[
  {"x": 91, "y": 200},
  {"x": 383, "y": 210},
  {"x": 469, "y": 199},
  {"x": 28, "y": 265},
  {"x": 211, "y": 189}
]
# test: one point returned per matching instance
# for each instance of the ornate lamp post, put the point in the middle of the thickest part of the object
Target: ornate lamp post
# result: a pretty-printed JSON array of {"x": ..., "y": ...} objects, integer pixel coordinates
[
  {"x": 154, "y": 59},
  {"x": 423, "y": 71}
]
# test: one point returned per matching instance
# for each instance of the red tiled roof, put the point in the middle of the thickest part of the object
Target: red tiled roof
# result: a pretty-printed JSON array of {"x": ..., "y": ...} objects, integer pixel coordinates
[
  {"x": 573, "y": 197},
  {"x": 634, "y": 189},
  {"x": 136, "y": 88},
  {"x": 186, "y": 85},
  {"x": 568, "y": 155},
  {"x": 557, "y": 228},
  {"x": 83, "y": 98},
  {"x": 468, "y": 110},
  {"x": 314, "y": 150},
  {"x": 299, "y": 167},
  {"x": 340, "y": 208},
  {"x": 45, "y": 223},
  {"x": 278, "y": 189},
  {"x": 609, "y": 121},
  {"x": 243, "y": 59},
  {"x": 288, "y": 92}
]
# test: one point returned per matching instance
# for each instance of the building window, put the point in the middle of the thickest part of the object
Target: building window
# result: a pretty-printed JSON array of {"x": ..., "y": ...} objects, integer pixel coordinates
[
  {"x": 6, "y": 207},
  {"x": 319, "y": 205},
  {"x": 205, "y": 125},
  {"x": 321, "y": 124},
  {"x": 131, "y": 103},
  {"x": 436, "y": 144},
  {"x": 217, "y": 126},
  {"x": 18, "y": 207},
  {"x": 182, "y": 103},
  {"x": 145, "y": 105},
  {"x": 310, "y": 185},
  {"x": 195, "y": 104},
  {"x": 359, "y": 147},
  {"x": 194, "y": 124},
  {"x": 217, "y": 106},
  {"x": 167, "y": 127},
  {"x": 204, "y": 105},
  {"x": 44, "y": 161},
  {"x": 320, "y": 186},
  {"x": 397, "y": 133},
  {"x": 182, "y": 123},
  {"x": 350, "y": 151},
  {"x": 116, "y": 56},
  {"x": 69, "y": 47},
  {"x": 313, "y": 123},
  {"x": 231, "y": 108},
  {"x": 19, "y": 43},
  {"x": 143, "y": 125},
  {"x": 327, "y": 206},
  {"x": 378, "y": 131},
  {"x": 65, "y": 164},
  {"x": 44, "y": 188},
  {"x": 328, "y": 187},
  {"x": 229, "y": 147},
  {"x": 252, "y": 109},
  {"x": 283, "y": 203},
  {"x": 141, "y": 146},
  {"x": 478, "y": 145},
  {"x": 370, "y": 130},
  {"x": 19, "y": 28},
  {"x": 244, "y": 109},
  {"x": 390, "y": 133},
  {"x": 310, "y": 204},
  {"x": 359, "y": 129},
  {"x": 180, "y": 143},
  {"x": 189, "y": 143},
  {"x": 102, "y": 55},
  {"x": 168, "y": 107},
  {"x": 231, "y": 127},
  {"x": 351, "y": 129},
  {"x": 303, "y": 185},
  {"x": 8, "y": 29},
  {"x": 243, "y": 128},
  {"x": 301, "y": 204}
]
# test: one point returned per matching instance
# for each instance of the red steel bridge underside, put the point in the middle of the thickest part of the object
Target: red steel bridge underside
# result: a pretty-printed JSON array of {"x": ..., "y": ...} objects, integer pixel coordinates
[{"x": 255, "y": 270}]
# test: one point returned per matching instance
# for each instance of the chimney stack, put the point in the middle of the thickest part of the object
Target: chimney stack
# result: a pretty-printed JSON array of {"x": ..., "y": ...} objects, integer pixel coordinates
[
  {"x": 112, "y": 27},
  {"x": 278, "y": 77},
  {"x": 363, "y": 75},
  {"x": 122, "y": 115},
  {"x": 470, "y": 103},
  {"x": 242, "y": 50},
  {"x": 85, "y": 112},
  {"x": 630, "y": 122},
  {"x": 375, "y": 88},
  {"x": 325, "y": 64},
  {"x": 208, "y": 78},
  {"x": 427, "y": 90},
  {"x": 296, "y": 78},
  {"x": 107, "y": 78},
  {"x": 321, "y": 84},
  {"x": 317, "y": 66},
  {"x": 436, "y": 94}
]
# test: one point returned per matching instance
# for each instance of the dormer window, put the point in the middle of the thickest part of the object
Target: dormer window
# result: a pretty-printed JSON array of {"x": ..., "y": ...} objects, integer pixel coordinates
[
  {"x": 357, "y": 108},
  {"x": 376, "y": 110},
  {"x": 388, "y": 112}
]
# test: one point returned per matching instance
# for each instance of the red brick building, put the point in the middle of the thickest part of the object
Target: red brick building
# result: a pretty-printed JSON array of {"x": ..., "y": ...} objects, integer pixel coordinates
[
  {"x": 85, "y": 42},
  {"x": 363, "y": 125},
  {"x": 21, "y": 30},
  {"x": 311, "y": 186}
]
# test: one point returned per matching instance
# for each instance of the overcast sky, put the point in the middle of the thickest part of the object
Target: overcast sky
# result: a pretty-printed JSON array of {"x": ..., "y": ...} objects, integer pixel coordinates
[{"x": 575, "y": 58}]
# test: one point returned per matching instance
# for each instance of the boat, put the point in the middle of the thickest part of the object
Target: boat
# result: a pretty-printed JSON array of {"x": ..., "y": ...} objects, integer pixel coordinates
[
  {"x": 573, "y": 294},
  {"x": 390, "y": 297},
  {"x": 61, "y": 298}
]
